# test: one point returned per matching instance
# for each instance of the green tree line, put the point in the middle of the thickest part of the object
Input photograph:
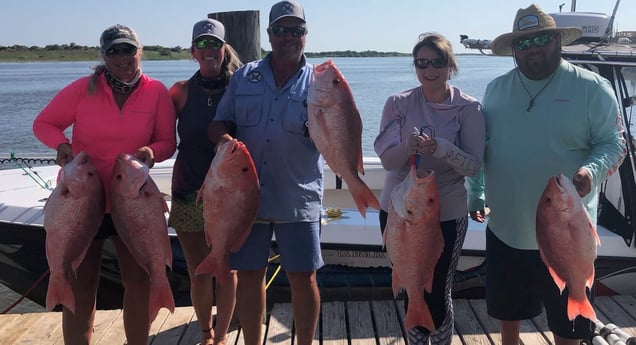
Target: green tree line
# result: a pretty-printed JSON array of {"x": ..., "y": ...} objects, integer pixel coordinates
[{"x": 74, "y": 52}]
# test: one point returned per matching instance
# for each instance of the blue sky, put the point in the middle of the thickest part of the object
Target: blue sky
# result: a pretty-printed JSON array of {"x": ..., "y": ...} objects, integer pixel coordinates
[{"x": 382, "y": 25}]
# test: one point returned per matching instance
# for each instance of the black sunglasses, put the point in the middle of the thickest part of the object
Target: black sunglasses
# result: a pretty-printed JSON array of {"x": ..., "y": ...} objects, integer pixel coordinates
[
  {"x": 125, "y": 49},
  {"x": 538, "y": 40},
  {"x": 295, "y": 31},
  {"x": 214, "y": 44},
  {"x": 423, "y": 63}
]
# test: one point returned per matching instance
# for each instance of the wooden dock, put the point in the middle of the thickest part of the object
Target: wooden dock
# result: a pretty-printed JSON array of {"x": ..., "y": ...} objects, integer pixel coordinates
[{"x": 375, "y": 322}]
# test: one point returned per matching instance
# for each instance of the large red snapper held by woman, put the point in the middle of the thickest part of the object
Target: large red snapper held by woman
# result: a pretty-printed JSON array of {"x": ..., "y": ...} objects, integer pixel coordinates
[
  {"x": 72, "y": 216},
  {"x": 230, "y": 196},
  {"x": 414, "y": 242},
  {"x": 567, "y": 242},
  {"x": 138, "y": 211},
  {"x": 335, "y": 127}
]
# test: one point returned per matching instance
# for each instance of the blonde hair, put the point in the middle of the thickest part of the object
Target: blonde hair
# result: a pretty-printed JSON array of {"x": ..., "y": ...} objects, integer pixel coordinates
[{"x": 231, "y": 61}]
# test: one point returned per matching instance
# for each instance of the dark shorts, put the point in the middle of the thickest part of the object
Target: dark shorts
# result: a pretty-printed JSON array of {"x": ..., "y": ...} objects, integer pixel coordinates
[
  {"x": 518, "y": 286},
  {"x": 107, "y": 228}
]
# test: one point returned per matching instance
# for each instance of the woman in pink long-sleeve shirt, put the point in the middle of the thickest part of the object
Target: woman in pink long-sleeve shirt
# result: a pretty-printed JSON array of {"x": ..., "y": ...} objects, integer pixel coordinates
[{"x": 115, "y": 110}]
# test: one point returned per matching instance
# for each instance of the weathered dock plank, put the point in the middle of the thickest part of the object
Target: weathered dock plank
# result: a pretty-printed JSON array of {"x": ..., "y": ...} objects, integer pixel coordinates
[
  {"x": 489, "y": 325},
  {"x": 388, "y": 324},
  {"x": 281, "y": 323},
  {"x": 467, "y": 325},
  {"x": 192, "y": 333},
  {"x": 333, "y": 326},
  {"x": 174, "y": 327},
  {"x": 617, "y": 313},
  {"x": 47, "y": 331},
  {"x": 109, "y": 328},
  {"x": 374, "y": 322},
  {"x": 156, "y": 324},
  {"x": 20, "y": 326},
  {"x": 360, "y": 322},
  {"x": 7, "y": 320}
]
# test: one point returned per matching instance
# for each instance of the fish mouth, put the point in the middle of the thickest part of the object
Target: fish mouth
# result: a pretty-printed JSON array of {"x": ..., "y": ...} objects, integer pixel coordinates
[
  {"x": 424, "y": 174},
  {"x": 323, "y": 66},
  {"x": 558, "y": 181},
  {"x": 81, "y": 158},
  {"x": 235, "y": 147}
]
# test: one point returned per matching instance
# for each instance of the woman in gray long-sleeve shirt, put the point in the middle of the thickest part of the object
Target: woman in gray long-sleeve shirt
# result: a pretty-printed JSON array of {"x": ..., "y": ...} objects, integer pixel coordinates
[{"x": 445, "y": 127}]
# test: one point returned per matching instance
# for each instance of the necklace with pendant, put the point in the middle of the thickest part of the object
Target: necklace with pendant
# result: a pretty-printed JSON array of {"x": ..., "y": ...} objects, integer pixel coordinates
[{"x": 532, "y": 98}]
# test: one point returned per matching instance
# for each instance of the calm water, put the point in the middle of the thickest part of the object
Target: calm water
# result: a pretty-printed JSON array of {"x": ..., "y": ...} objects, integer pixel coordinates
[{"x": 25, "y": 88}]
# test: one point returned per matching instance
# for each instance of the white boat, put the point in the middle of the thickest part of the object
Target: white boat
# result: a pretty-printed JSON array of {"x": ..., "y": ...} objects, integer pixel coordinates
[{"x": 351, "y": 244}]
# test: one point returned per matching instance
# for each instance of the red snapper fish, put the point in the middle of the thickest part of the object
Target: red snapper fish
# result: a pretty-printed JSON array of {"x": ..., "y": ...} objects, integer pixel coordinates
[
  {"x": 230, "y": 196},
  {"x": 414, "y": 242},
  {"x": 138, "y": 211},
  {"x": 567, "y": 241},
  {"x": 336, "y": 129},
  {"x": 72, "y": 216}
]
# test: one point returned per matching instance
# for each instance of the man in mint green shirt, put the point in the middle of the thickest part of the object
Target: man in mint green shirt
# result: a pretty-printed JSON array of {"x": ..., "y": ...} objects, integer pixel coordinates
[{"x": 543, "y": 118}]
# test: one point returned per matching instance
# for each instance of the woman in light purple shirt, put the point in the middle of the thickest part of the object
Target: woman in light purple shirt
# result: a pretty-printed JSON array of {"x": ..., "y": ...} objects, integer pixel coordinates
[{"x": 445, "y": 127}]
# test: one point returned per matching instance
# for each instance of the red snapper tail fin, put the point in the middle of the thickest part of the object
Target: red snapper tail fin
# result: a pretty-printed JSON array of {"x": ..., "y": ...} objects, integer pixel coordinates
[
  {"x": 160, "y": 296},
  {"x": 418, "y": 314},
  {"x": 217, "y": 268},
  {"x": 60, "y": 292},
  {"x": 363, "y": 196},
  {"x": 582, "y": 307}
]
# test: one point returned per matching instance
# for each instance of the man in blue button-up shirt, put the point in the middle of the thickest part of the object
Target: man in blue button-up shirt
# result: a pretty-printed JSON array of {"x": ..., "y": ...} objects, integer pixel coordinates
[{"x": 266, "y": 104}]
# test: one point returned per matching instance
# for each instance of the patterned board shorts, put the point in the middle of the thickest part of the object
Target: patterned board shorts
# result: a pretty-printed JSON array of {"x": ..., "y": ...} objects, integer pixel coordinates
[{"x": 186, "y": 214}]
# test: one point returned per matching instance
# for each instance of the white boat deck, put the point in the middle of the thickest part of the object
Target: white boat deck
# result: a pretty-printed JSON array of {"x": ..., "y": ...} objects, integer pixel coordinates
[{"x": 347, "y": 240}]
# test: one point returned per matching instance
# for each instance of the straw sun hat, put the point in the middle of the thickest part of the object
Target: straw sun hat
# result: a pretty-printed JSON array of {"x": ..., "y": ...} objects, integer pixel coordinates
[{"x": 530, "y": 21}]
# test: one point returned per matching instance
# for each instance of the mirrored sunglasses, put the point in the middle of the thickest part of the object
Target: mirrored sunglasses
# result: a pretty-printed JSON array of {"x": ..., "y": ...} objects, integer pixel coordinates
[
  {"x": 423, "y": 63},
  {"x": 539, "y": 40},
  {"x": 125, "y": 50},
  {"x": 212, "y": 43},
  {"x": 296, "y": 31}
]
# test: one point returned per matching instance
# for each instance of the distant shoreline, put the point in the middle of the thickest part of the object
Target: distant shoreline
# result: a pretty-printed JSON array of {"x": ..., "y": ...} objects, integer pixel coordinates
[{"x": 72, "y": 52}]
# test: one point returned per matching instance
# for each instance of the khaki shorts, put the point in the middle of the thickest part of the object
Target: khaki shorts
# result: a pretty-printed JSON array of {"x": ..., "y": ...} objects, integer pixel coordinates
[{"x": 186, "y": 214}]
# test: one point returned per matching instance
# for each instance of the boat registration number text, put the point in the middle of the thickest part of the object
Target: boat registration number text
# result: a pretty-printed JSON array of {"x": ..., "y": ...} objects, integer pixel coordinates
[{"x": 590, "y": 29}]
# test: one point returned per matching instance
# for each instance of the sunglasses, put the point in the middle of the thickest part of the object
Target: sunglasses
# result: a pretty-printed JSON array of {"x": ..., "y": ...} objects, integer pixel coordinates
[
  {"x": 295, "y": 31},
  {"x": 423, "y": 63},
  {"x": 126, "y": 50},
  {"x": 214, "y": 44},
  {"x": 538, "y": 40}
]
